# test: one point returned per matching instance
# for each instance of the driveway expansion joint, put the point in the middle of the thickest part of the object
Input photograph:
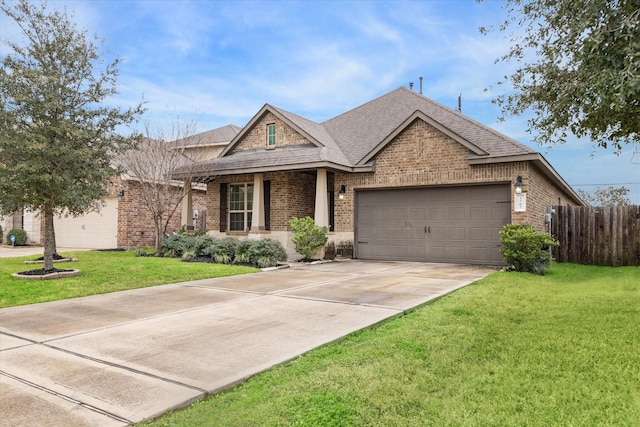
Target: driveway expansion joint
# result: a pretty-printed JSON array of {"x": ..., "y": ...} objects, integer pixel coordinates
[{"x": 67, "y": 398}]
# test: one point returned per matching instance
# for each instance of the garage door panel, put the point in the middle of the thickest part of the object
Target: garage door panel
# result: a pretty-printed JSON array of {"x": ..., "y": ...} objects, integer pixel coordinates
[
  {"x": 417, "y": 214},
  {"x": 478, "y": 214},
  {"x": 457, "y": 233},
  {"x": 437, "y": 214},
  {"x": 95, "y": 230},
  {"x": 457, "y": 213},
  {"x": 478, "y": 233},
  {"x": 457, "y": 253},
  {"x": 437, "y": 233},
  {"x": 499, "y": 213},
  {"x": 445, "y": 224}
]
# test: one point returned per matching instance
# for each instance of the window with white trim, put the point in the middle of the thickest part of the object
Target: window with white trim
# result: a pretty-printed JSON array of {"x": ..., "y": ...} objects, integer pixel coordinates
[
  {"x": 240, "y": 206},
  {"x": 271, "y": 135}
]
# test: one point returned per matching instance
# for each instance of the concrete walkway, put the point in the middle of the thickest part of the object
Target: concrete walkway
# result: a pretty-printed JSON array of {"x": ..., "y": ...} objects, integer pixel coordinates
[{"x": 124, "y": 357}]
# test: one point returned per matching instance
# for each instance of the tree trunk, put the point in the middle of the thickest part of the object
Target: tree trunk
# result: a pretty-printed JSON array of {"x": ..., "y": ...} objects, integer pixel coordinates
[
  {"x": 159, "y": 234},
  {"x": 49, "y": 237}
]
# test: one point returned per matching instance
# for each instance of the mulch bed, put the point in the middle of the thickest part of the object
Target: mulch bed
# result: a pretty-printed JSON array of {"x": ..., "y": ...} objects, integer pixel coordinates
[
  {"x": 56, "y": 257},
  {"x": 42, "y": 272}
]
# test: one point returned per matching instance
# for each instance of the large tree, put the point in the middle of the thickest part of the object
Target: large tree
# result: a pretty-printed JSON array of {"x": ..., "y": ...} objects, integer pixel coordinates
[
  {"x": 57, "y": 136},
  {"x": 578, "y": 69}
]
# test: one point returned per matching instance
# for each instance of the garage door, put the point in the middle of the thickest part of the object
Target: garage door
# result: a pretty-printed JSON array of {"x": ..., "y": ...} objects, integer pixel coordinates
[
  {"x": 95, "y": 230},
  {"x": 446, "y": 224}
]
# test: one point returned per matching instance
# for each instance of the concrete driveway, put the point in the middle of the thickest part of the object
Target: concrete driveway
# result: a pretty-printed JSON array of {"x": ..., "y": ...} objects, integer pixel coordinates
[{"x": 124, "y": 357}]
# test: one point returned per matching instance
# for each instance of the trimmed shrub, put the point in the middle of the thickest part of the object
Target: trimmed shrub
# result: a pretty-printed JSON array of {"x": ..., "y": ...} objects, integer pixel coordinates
[
  {"x": 218, "y": 251},
  {"x": 526, "y": 249},
  {"x": 267, "y": 253},
  {"x": 308, "y": 236},
  {"x": 188, "y": 255},
  {"x": 174, "y": 246},
  {"x": 242, "y": 252},
  {"x": 200, "y": 244},
  {"x": 21, "y": 237}
]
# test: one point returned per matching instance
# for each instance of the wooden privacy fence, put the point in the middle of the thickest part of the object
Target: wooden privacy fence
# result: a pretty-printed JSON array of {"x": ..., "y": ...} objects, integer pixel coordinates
[{"x": 597, "y": 235}]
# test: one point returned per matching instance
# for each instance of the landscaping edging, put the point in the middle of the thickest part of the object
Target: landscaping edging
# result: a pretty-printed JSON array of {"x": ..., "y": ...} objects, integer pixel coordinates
[
  {"x": 54, "y": 261},
  {"x": 54, "y": 275}
]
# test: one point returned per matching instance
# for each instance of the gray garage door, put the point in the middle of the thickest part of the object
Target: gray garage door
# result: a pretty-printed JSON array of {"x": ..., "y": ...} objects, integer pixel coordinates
[{"x": 447, "y": 224}]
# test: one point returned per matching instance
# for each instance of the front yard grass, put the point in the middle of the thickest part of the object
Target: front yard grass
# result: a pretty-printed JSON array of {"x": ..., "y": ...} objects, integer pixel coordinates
[
  {"x": 102, "y": 272},
  {"x": 513, "y": 349}
]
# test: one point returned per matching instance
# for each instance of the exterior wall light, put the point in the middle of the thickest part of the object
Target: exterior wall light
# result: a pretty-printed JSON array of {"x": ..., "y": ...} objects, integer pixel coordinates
[
  {"x": 121, "y": 195},
  {"x": 518, "y": 185},
  {"x": 343, "y": 190}
]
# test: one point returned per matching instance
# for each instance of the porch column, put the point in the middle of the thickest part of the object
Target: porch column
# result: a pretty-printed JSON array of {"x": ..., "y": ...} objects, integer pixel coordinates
[
  {"x": 257, "y": 216},
  {"x": 187, "y": 206},
  {"x": 322, "y": 204}
]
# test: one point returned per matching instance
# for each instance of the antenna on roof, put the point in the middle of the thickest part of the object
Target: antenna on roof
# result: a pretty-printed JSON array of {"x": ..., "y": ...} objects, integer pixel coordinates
[
  {"x": 460, "y": 103},
  {"x": 420, "y": 85},
  {"x": 411, "y": 86}
]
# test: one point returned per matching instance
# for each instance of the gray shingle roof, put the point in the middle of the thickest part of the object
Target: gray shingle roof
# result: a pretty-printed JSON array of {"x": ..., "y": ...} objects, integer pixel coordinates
[
  {"x": 215, "y": 136},
  {"x": 360, "y": 130},
  {"x": 352, "y": 139}
]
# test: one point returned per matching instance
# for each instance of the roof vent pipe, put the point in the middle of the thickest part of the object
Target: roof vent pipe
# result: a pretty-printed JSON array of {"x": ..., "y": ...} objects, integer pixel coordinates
[
  {"x": 411, "y": 86},
  {"x": 420, "y": 85},
  {"x": 460, "y": 103}
]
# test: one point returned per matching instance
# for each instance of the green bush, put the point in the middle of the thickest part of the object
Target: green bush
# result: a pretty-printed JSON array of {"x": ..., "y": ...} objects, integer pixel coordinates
[
  {"x": 21, "y": 237},
  {"x": 175, "y": 245},
  {"x": 526, "y": 249},
  {"x": 199, "y": 244},
  {"x": 188, "y": 255},
  {"x": 308, "y": 236},
  {"x": 218, "y": 251},
  {"x": 263, "y": 252},
  {"x": 0, "y": 233},
  {"x": 266, "y": 253},
  {"x": 242, "y": 252}
]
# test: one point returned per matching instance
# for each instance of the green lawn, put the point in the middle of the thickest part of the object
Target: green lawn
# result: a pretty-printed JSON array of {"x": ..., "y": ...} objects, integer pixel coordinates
[
  {"x": 513, "y": 349},
  {"x": 102, "y": 272}
]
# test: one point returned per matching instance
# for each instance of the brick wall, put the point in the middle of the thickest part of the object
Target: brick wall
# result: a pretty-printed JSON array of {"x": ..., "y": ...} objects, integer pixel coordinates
[
  {"x": 423, "y": 156},
  {"x": 419, "y": 156},
  {"x": 256, "y": 138},
  {"x": 136, "y": 227},
  {"x": 292, "y": 194}
]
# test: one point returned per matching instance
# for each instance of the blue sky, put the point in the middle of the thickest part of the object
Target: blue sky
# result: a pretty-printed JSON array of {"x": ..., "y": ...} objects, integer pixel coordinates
[{"x": 219, "y": 62}]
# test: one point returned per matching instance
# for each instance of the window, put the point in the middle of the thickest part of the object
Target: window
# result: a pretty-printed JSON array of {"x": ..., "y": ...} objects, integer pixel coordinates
[
  {"x": 271, "y": 135},
  {"x": 240, "y": 206}
]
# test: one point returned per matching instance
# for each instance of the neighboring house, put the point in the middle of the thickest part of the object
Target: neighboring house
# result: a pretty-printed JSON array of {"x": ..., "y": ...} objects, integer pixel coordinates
[
  {"x": 124, "y": 221},
  {"x": 399, "y": 178},
  {"x": 208, "y": 145}
]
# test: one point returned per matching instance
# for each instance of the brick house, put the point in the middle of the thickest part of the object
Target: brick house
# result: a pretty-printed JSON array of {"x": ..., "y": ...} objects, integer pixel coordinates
[{"x": 400, "y": 178}]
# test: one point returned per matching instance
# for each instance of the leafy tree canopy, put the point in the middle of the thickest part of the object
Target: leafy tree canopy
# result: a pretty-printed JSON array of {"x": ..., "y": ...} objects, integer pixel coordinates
[
  {"x": 57, "y": 136},
  {"x": 578, "y": 69},
  {"x": 610, "y": 196}
]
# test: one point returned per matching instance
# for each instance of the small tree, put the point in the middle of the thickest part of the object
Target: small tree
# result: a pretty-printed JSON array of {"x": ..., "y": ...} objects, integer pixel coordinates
[
  {"x": 308, "y": 236},
  {"x": 526, "y": 249},
  {"x": 610, "y": 196},
  {"x": 57, "y": 136},
  {"x": 152, "y": 165}
]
